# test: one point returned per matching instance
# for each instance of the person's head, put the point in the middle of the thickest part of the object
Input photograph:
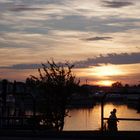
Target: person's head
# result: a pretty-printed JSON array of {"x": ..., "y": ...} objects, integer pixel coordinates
[
  {"x": 114, "y": 110},
  {"x": 111, "y": 112}
]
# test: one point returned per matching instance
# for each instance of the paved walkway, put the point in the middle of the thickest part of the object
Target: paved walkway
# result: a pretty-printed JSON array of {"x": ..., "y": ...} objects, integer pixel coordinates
[
  {"x": 29, "y": 138},
  {"x": 68, "y": 135}
]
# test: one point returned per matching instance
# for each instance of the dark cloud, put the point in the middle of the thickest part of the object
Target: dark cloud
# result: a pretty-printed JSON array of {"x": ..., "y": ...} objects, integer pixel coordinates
[
  {"x": 116, "y": 4},
  {"x": 123, "y": 58},
  {"x": 97, "y": 38},
  {"x": 118, "y": 59},
  {"x": 24, "y": 66},
  {"x": 28, "y": 66},
  {"x": 95, "y": 24},
  {"x": 18, "y": 8}
]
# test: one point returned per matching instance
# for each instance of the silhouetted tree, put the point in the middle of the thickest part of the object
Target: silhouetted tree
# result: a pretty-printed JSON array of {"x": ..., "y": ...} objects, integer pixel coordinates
[
  {"x": 55, "y": 84},
  {"x": 126, "y": 85},
  {"x": 138, "y": 85},
  {"x": 117, "y": 85}
]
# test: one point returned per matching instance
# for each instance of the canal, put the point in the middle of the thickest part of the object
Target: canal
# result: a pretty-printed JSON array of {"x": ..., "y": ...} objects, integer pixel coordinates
[{"x": 90, "y": 118}]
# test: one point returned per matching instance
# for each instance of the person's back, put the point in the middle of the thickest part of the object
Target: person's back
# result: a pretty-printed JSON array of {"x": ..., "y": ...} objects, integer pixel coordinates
[{"x": 112, "y": 121}]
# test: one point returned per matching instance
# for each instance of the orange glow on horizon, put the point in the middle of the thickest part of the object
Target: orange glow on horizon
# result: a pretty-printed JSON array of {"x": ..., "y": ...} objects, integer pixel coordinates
[
  {"x": 105, "y": 83},
  {"x": 107, "y": 70}
]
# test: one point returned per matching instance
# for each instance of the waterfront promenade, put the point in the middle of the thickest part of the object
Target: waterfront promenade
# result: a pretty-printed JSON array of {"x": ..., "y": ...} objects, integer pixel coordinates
[{"x": 67, "y": 135}]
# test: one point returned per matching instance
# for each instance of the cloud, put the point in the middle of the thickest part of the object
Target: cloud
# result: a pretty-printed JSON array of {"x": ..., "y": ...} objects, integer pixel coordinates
[
  {"x": 20, "y": 40},
  {"x": 118, "y": 59},
  {"x": 24, "y": 66},
  {"x": 97, "y": 38},
  {"x": 116, "y": 4},
  {"x": 123, "y": 58},
  {"x": 27, "y": 66},
  {"x": 75, "y": 15},
  {"x": 96, "y": 24},
  {"x": 18, "y": 8}
]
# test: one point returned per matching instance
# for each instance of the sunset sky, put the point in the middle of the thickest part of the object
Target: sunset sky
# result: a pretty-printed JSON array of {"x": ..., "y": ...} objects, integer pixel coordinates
[{"x": 101, "y": 37}]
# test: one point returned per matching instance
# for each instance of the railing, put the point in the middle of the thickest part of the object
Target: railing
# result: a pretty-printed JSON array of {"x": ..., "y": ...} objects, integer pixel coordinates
[
  {"x": 125, "y": 119},
  {"x": 18, "y": 122},
  {"x": 104, "y": 118}
]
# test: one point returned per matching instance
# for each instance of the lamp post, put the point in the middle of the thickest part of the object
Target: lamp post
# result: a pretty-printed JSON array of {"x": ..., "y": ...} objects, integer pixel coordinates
[{"x": 102, "y": 111}]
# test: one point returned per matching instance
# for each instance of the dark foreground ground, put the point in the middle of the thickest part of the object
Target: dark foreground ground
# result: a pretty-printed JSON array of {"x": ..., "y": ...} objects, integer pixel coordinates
[{"x": 67, "y": 135}]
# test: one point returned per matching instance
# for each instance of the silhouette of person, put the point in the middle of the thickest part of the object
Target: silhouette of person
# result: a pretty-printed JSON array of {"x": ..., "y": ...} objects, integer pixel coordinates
[{"x": 112, "y": 121}]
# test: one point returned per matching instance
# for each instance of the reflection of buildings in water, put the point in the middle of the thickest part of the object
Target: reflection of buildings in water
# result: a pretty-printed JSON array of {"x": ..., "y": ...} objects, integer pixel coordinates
[
  {"x": 138, "y": 107},
  {"x": 132, "y": 105},
  {"x": 131, "y": 100}
]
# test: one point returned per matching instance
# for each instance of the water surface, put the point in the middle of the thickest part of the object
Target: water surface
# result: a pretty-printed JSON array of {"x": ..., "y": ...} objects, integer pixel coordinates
[{"x": 90, "y": 119}]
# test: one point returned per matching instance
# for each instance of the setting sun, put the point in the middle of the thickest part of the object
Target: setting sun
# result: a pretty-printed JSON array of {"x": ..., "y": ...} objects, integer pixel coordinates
[{"x": 105, "y": 83}]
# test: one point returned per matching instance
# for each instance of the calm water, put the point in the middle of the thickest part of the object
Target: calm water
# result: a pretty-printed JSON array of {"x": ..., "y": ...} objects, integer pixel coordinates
[{"x": 89, "y": 119}]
